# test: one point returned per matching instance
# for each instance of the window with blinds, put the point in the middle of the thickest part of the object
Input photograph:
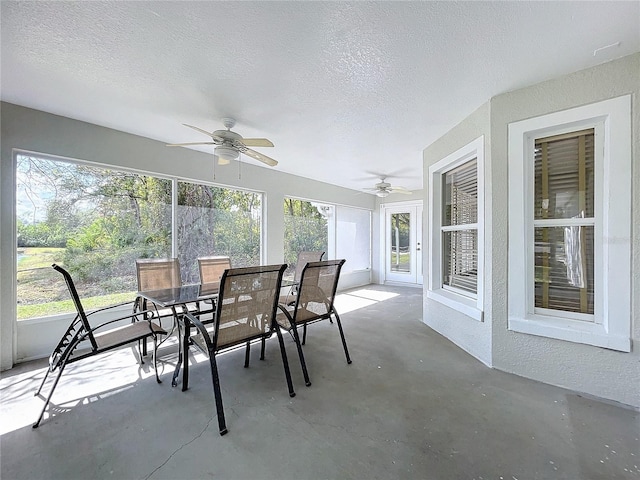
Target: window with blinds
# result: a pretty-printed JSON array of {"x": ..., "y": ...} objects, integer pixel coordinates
[
  {"x": 564, "y": 223},
  {"x": 460, "y": 228}
]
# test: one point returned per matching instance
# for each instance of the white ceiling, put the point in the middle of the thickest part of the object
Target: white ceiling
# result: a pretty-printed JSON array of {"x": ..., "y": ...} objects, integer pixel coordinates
[{"x": 346, "y": 91}]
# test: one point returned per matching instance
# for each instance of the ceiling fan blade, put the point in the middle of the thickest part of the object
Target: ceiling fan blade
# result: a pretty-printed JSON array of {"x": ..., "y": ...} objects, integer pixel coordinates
[
  {"x": 257, "y": 142},
  {"x": 190, "y": 143},
  {"x": 199, "y": 130},
  {"x": 258, "y": 156},
  {"x": 401, "y": 190}
]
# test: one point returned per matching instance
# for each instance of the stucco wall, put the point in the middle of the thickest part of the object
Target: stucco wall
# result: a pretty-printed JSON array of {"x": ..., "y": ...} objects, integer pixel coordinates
[
  {"x": 469, "y": 334},
  {"x": 36, "y": 131},
  {"x": 592, "y": 370},
  {"x": 596, "y": 371}
]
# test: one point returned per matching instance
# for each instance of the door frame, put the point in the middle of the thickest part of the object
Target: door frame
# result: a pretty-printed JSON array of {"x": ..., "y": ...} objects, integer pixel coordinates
[{"x": 415, "y": 208}]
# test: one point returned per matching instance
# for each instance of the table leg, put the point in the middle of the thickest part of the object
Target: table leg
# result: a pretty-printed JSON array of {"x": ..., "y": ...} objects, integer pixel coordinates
[
  {"x": 185, "y": 354},
  {"x": 174, "y": 380}
]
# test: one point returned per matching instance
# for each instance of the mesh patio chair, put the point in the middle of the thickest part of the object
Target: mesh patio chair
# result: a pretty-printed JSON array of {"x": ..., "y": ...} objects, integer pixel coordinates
[
  {"x": 314, "y": 302},
  {"x": 247, "y": 305},
  {"x": 158, "y": 274},
  {"x": 82, "y": 340},
  {"x": 304, "y": 257},
  {"x": 212, "y": 268}
]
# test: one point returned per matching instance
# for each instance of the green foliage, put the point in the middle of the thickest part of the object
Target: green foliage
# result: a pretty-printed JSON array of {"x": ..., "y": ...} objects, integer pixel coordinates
[
  {"x": 40, "y": 234},
  {"x": 305, "y": 229}
]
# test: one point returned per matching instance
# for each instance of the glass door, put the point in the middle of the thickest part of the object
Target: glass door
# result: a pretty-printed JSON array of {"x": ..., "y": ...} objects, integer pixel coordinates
[{"x": 403, "y": 244}]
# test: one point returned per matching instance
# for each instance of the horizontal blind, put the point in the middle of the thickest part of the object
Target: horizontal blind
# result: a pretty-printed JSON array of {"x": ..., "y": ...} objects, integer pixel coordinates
[
  {"x": 460, "y": 231},
  {"x": 461, "y": 195},
  {"x": 461, "y": 259},
  {"x": 558, "y": 192},
  {"x": 564, "y": 189}
]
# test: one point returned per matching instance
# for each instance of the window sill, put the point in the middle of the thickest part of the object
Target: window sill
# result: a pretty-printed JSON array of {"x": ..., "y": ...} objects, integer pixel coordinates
[
  {"x": 571, "y": 331},
  {"x": 464, "y": 305}
]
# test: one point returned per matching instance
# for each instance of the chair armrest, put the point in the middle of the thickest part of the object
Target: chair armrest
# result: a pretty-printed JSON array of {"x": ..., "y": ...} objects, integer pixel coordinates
[
  {"x": 125, "y": 317},
  {"x": 201, "y": 329},
  {"x": 283, "y": 308},
  {"x": 110, "y": 307}
]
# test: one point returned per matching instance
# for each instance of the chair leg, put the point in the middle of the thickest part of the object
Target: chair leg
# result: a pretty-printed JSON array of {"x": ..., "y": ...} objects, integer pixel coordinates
[
  {"x": 217, "y": 393},
  {"x": 287, "y": 372},
  {"x": 344, "y": 342},
  {"x": 55, "y": 384},
  {"x": 262, "y": 348},
  {"x": 46, "y": 374},
  {"x": 304, "y": 334},
  {"x": 247, "y": 354},
  {"x": 155, "y": 358},
  {"x": 303, "y": 364}
]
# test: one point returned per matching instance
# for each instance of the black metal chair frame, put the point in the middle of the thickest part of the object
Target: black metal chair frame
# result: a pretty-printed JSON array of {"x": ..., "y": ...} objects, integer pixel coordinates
[
  {"x": 292, "y": 313},
  {"x": 210, "y": 346},
  {"x": 73, "y": 345}
]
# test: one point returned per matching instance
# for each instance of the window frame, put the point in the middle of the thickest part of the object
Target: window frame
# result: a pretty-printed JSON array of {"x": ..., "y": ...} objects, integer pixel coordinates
[
  {"x": 460, "y": 300},
  {"x": 611, "y": 324}
]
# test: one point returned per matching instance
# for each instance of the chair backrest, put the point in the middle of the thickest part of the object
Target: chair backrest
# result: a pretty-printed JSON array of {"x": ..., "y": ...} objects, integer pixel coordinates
[
  {"x": 80, "y": 324},
  {"x": 317, "y": 290},
  {"x": 303, "y": 259},
  {"x": 247, "y": 303},
  {"x": 158, "y": 273},
  {"x": 212, "y": 268}
]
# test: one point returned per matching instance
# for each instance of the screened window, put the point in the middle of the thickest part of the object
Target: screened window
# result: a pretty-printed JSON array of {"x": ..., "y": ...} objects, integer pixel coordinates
[
  {"x": 217, "y": 221},
  {"x": 353, "y": 238},
  {"x": 306, "y": 228},
  {"x": 94, "y": 221},
  {"x": 97, "y": 221},
  {"x": 456, "y": 215}
]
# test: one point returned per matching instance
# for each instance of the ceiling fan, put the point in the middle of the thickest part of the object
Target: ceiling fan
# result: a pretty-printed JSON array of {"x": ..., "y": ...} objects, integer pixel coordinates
[
  {"x": 384, "y": 188},
  {"x": 230, "y": 144}
]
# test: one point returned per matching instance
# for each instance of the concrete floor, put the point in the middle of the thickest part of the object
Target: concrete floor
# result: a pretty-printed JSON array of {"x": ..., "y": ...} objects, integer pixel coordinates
[{"x": 412, "y": 405}]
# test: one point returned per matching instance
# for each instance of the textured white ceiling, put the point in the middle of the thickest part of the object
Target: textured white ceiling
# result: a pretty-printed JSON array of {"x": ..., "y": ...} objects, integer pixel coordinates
[{"x": 346, "y": 91}]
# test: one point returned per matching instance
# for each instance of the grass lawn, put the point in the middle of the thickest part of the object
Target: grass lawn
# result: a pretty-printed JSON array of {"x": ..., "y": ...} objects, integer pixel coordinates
[{"x": 40, "y": 288}]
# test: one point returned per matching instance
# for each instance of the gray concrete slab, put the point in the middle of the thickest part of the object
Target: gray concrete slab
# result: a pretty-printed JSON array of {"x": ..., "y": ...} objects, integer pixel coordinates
[{"x": 412, "y": 405}]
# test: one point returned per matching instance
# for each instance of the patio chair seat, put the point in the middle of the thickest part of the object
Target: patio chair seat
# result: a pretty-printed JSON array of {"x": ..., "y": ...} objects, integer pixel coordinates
[{"x": 126, "y": 333}]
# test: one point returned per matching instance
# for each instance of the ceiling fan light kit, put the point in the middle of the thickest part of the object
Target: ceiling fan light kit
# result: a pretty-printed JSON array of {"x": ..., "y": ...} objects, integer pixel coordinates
[{"x": 226, "y": 154}]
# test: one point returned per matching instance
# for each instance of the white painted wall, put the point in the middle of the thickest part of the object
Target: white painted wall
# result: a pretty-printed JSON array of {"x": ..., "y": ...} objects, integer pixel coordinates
[
  {"x": 31, "y": 130},
  {"x": 471, "y": 335},
  {"x": 596, "y": 371}
]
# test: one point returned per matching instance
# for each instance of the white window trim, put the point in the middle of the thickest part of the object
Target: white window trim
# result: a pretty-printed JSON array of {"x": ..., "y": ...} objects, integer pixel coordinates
[
  {"x": 472, "y": 306},
  {"x": 611, "y": 325}
]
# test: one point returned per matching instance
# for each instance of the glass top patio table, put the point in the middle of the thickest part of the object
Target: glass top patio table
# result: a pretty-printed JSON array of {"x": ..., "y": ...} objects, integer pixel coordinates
[
  {"x": 178, "y": 298},
  {"x": 171, "y": 297}
]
